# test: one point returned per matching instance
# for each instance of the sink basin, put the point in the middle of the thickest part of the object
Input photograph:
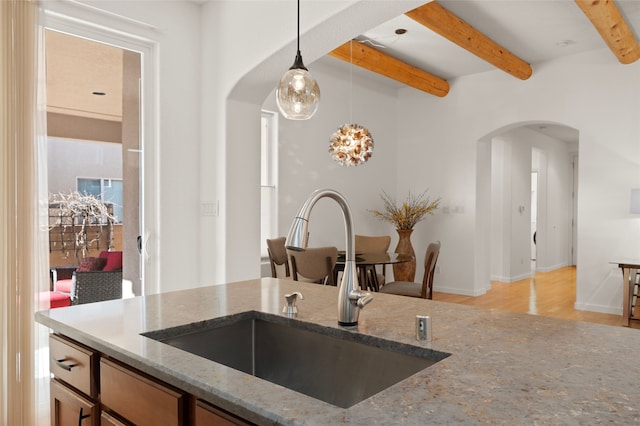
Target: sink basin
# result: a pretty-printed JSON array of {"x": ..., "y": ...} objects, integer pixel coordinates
[{"x": 334, "y": 365}]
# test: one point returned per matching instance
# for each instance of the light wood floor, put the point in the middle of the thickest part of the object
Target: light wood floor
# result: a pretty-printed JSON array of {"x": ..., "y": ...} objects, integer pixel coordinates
[{"x": 550, "y": 294}]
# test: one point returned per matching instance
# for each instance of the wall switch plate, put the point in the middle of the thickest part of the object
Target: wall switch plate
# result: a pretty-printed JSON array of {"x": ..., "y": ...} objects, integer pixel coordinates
[{"x": 209, "y": 208}]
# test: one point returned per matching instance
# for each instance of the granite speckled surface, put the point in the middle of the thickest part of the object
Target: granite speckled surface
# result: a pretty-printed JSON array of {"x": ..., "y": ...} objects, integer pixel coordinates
[{"x": 505, "y": 368}]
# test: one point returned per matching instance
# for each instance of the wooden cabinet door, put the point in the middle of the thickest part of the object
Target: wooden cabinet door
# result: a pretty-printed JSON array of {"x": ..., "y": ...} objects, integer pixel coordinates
[
  {"x": 69, "y": 408},
  {"x": 138, "y": 399}
]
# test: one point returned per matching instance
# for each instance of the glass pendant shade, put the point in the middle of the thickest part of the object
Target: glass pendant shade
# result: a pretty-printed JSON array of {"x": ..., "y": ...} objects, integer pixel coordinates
[
  {"x": 298, "y": 94},
  {"x": 351, "y": 145}
]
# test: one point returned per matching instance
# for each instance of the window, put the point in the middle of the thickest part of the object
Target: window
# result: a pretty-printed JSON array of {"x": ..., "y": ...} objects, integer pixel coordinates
[
  {"x": 268, "y": 179},
  {"x": 107, "y": 190}
]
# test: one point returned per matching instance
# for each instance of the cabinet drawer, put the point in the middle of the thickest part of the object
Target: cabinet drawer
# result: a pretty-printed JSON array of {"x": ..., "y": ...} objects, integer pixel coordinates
[
  {"x": 69, "y": 407},
  {"x": 139, "y": 399},
  {"x": 74, "y": 364},
  {"x": 208, "y": 415},
  {"x": 107, "y": 420}
]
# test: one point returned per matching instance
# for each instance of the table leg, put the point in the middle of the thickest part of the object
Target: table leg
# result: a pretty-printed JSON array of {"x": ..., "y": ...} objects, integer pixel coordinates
[{"x": 627, "y": 288}]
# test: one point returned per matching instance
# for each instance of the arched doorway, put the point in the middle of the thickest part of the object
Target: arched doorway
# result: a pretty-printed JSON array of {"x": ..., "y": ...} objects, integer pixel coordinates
[{"x": 508, "y": 159}]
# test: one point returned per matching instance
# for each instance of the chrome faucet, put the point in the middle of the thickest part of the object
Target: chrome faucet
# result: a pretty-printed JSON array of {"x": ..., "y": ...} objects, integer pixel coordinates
[{"x": 350, "y": 297}]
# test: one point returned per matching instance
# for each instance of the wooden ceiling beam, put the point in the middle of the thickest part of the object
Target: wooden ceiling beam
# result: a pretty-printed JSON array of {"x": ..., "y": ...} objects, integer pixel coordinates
[
  {"x": 379, "y": 62},
  {"x": 435, "y": 17},
  {"x": 614, "y": 30}
]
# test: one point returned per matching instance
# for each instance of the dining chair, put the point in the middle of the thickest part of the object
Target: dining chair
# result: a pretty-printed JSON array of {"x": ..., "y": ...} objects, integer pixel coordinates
[
  {"x": 373, "y": 244},
  {"x": 278, "y": 257},
  {"x": 314, "y": 264},
  {"x": 424, "y": 290}
]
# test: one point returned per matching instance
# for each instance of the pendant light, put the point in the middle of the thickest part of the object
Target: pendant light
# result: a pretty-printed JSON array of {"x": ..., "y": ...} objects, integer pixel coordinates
[
  {"x": 351, "y": 144},
  {"x": 298, "y": 94}
]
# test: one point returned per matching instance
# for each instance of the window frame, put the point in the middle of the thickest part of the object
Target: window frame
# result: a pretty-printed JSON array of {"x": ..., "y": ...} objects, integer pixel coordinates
[{"x": 268, "y": 179}]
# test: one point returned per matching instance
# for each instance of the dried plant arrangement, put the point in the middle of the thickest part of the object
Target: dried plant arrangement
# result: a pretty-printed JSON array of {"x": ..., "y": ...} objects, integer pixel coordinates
[{"x": 406, "y": 215}]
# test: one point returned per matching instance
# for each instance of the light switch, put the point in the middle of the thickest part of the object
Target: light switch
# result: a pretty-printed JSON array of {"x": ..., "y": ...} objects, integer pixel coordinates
[{"x": 210, "y": 209}]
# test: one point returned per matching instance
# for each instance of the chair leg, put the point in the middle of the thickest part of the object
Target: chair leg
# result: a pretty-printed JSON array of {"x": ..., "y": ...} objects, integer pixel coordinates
[
  {"x": 362, "y": 278},
  {"x": 375, "y": 285},
  {"x": 368, "y": 278}
]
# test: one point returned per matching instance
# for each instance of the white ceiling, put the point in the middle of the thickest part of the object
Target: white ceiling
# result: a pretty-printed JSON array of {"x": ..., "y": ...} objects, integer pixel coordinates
[{"x": 534, "y": 30}]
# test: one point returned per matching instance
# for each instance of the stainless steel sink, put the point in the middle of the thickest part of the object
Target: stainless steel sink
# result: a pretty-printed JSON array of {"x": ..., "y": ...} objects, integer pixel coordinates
[{"x": 334, "y": 365}]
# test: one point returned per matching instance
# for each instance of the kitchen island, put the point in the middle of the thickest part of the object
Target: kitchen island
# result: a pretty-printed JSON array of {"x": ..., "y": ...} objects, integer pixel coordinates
[{"x": 504, "y": 368}]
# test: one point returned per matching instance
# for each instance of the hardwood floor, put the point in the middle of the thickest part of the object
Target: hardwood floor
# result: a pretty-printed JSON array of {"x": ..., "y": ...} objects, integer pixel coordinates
[{"x": 550, "y": 294}]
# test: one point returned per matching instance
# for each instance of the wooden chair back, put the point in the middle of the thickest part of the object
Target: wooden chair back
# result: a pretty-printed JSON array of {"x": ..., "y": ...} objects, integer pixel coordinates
[
  {"x": 278, "y": 256},
  {"x": 314, "y": 264},
  {"x": 430, "y": 259},
  {"x": 372, "y": 244}
]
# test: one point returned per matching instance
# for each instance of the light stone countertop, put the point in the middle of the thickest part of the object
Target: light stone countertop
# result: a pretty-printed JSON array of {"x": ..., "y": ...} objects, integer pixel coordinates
[{"x": 505, "y": 368}]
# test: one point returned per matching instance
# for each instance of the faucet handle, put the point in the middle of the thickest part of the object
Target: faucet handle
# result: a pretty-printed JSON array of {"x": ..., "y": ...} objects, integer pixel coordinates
[
  {"x": 290, "y": 308},
  {"x": 360, "y": 298}
]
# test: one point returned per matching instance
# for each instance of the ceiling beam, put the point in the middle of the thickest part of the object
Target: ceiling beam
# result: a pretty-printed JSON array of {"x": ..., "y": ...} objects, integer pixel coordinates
[
  {"x": 614, "y": 30},
  {"x": 435, "y": 17},
  {"x": 379, "y": 62}
]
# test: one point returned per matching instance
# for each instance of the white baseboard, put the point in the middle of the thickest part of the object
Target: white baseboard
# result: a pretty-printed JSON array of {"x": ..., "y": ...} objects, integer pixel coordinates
[
  {"x": 551, "y": 268},
  {"x": 461, "y": 291},
  {"x": 529, "y": 274},
  {"x": 511, "y": 279},
  {"x": 603, "y": 309},
  {"x": 520, "y": 277}
]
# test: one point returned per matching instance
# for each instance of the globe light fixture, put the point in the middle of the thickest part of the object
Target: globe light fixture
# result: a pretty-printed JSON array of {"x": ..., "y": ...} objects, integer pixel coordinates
[
  {"x": 351, "y": 145},
  {"x": 298, "y": 94}
]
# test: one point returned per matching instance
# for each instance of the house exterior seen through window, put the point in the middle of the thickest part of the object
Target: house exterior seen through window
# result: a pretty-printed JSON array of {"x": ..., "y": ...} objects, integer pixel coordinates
[{"x": 107, "y": 190}]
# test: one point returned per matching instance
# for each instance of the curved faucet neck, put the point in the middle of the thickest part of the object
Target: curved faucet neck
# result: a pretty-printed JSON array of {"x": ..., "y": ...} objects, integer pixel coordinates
[
  {"x": 305, "y": 212},
  {"x": 350, "y": 298}
]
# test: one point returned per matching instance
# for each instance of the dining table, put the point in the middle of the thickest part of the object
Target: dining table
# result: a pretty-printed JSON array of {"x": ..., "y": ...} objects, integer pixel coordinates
[{"x": 366, "y": 263}]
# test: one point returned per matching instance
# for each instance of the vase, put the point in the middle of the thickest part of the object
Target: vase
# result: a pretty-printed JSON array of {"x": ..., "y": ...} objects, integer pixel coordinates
[{"x": 405, "y": 271}]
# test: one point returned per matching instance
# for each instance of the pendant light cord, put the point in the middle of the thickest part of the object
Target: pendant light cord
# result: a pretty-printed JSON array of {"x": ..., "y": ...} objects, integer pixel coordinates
[
  {"x": 298, "y": 49},
  {"x": 351, "y": 81}
]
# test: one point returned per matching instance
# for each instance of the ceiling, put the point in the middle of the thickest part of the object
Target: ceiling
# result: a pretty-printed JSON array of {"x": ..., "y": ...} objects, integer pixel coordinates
[
  {"x": 84, "y": 78},
  {"x": 536, "y": 31},
  {"x": 533, "y": 30}
]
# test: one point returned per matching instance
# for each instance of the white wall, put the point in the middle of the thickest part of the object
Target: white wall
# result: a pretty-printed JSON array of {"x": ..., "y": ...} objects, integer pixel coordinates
[
  {"x": 590, "y": 92},
  {"x": 207, "y": 142},
  {"x": 500, "y": 210},
  {"x": 241, "y": 69},
  {"x": 305, "y": 164},
  {"x": 213, "y": 76},
  {"x": 555, "y": 186},
  {"x": 173, "y": 27}
]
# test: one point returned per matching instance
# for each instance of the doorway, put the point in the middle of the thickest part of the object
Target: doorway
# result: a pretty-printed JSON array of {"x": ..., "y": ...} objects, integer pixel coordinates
[
  {"x": 93, "y": 127},
  {"x": 527, "y": 192},
  {"x": 534, "y": 214},
  {"x": 137, "y": 41}
]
